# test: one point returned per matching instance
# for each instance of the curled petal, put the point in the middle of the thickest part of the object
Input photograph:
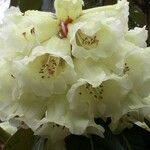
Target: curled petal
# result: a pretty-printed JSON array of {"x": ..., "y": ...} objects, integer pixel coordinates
[{"x": 137, "y": 36}]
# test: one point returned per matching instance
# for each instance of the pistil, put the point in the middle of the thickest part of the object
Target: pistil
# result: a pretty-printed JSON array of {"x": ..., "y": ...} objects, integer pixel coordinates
[{"x": 64, "y": 28}]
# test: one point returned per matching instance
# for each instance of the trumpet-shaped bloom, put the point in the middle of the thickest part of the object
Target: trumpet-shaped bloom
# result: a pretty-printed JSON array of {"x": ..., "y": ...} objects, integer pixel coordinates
[
  {"x": 102, "y": 101},
  {"x": 22, "y": 32},
  {"x": 97, "y": 36},
  {"x": 55, "y": 134},
  {"x": 48, "y": 70},
  {"x": 58, "y": 112}
]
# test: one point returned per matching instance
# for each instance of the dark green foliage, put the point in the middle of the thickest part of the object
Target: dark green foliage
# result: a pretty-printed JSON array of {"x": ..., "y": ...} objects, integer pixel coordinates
[
  {"x": 75, "y": 142},
  {"x": 4, "y": 136},
  {"x": 22, "y": 140},
  {"x": 135, "y": 138}
]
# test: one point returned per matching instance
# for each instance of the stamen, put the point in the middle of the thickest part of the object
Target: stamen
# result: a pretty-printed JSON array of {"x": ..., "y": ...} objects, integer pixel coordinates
[
  {"x": 49, "y": 67},
  {"x": 88, "y": 42},
  {"x": 80, "y": 93},
  {"x": 126, "y": 69},
  {"x": 96, "y": 93},
  {"x": 24, "y": 34},
  {"x": 12, "y": 76},
  {"x": 32, "y": 30}
]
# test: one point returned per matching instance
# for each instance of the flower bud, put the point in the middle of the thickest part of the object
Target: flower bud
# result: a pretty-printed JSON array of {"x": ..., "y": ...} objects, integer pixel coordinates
[{"x": 68, "y": 9}]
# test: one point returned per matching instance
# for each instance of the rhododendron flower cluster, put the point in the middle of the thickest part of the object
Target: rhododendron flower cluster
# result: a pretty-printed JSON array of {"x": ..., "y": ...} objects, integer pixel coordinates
[{"x": 60, "y": 71}]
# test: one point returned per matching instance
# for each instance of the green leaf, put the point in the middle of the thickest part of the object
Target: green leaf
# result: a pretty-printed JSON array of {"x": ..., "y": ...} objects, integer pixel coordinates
[
  {"x": 4, "y": 136},
  {"x": 30, "y": 5},
  {"x": 135, "y": 138},
  {"x": 23, "y": 139}
]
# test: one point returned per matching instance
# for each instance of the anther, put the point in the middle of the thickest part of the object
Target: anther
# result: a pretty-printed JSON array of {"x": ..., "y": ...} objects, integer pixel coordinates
[
  {"x": 32, "y": 30},
  {"x": 12, "y": 76},
  {"x": 80, "y": 93},
  {"x": 95, "y": 96},
  {"x": 24, "y": 34}
]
